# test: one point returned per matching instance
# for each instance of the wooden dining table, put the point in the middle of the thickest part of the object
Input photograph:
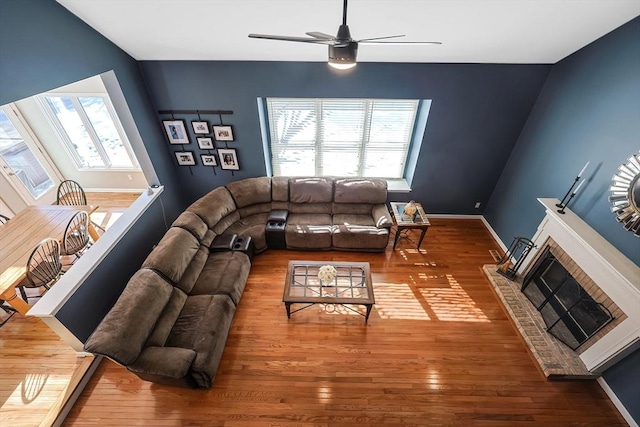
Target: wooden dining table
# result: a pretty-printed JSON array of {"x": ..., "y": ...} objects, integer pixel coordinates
[{"x": 19, "y": 237}]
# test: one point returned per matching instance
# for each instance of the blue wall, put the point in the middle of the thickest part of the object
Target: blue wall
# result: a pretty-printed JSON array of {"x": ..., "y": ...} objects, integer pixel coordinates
[
  {"x": 588, "y": 110},
  {"x": 477, "y": 113},
  {"x": 624, "y": 380},
  {"x": 43, "y": 46}
]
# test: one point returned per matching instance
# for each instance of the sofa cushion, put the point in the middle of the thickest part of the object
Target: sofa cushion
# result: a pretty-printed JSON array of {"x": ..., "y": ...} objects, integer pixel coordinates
[
  {"x": 310, "y": 208},
  {"x": 260, "y": 208},
  {"x": 310, "y": 190},
  {"x": 224, "y": 273},
  {"x": 166, "y": 320},
  {"x": 350, "y": 236},
  {"x": 173, "y": 256},
  {"x": 347, "y": 219},
  {"x": 253, "y": 226},
  {"x": 225, "y": 222},
  {"x": 203, "y": 326},
  {"x": 308, "y": 231},
  {"x": 125, "y": 329},
  {"x": 250, "y": 191},
  {"x": 192, "y": 223},
  {"x": 160, "y": 363},
  {"x": 360, "y": 190},
  {"x": 280, "y": 189},
  {"x": 213, "y": 206},
  {"x": 352, "y": 208}
]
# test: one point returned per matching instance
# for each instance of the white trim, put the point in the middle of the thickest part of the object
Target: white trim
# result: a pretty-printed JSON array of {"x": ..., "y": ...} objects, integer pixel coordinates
[
  {"x": 51, "y": 302},
  {"x": 494, "y": 234},
  {"x": 453, "y": 216},
  {"x": 398, "y": 186},
  {"x": 617, "y": 403},
  {"x": 62, "y": 415},
  {"x": 614, "y": 273}
]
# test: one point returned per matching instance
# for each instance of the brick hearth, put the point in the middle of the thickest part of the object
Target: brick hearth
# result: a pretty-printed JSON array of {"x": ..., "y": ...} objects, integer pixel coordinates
[{"x": 555, "y": 359}]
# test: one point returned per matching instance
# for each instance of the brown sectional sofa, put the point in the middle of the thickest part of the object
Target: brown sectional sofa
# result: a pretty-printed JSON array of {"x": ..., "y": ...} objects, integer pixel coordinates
[{"x": 170, "y": 324}]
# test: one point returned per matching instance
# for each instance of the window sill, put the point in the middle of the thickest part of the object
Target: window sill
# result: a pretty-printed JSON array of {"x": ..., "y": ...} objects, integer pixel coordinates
[{"x": 398, "y": 186}]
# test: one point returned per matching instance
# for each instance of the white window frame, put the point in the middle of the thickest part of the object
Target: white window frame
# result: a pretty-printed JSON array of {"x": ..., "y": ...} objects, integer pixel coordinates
[
  {"x": 54, "y": 122},
  {"x": 269, "y": 134}
]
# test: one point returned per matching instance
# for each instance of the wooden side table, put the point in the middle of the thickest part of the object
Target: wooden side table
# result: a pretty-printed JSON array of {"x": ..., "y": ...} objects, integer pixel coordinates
[{"x": 403, "y": 222}]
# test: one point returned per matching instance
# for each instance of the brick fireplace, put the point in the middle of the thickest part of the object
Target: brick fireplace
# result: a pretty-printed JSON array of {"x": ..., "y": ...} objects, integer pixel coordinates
[{"x": 607, "y": 279}]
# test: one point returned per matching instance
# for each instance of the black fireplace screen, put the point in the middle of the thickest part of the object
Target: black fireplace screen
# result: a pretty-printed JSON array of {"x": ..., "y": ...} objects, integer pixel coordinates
[{"x": 569, "y": 313}]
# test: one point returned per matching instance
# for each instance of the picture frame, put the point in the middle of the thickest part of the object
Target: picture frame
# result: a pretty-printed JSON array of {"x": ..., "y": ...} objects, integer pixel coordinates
[
  {"x": 185, "y": 158},
  {"x": 176, "y": 131},
  {"x": 209, "y": 160},
  {"x": 205, "y": 143},
  {"x": 228, "y": 159},
  {"x": 200, "y": 127},
  {"x": 223, "y": 133}
]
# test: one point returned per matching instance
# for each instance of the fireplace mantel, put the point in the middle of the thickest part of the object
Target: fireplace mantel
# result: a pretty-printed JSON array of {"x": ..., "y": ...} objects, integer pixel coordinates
[{"x": 610, "y": 269}]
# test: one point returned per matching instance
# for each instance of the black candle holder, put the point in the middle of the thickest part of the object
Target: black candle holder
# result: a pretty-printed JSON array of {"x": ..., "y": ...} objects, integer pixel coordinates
[
  {"x": 561, "y": 204},
  {"x": 561, "y": 210}
]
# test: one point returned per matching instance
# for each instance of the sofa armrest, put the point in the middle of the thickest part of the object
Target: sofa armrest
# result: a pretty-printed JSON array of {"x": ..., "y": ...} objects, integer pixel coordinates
[
  {"x": 172, "y": 362},
  {"x": 278, "y": 215},
  {"x": 381, "y": 216}
]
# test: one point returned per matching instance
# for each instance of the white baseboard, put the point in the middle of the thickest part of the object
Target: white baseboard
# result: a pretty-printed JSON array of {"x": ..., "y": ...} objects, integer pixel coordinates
[
  {"x": 494, "y": 234},
  {"x": 616, "y": 402},
  {"x": 453, "y": 216},
  {"x": 481, "y": 218}
]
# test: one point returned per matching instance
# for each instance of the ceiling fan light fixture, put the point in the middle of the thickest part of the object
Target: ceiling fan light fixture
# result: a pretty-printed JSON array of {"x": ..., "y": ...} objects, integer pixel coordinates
[
  {"x": 343, "y": 57},
  {"x": 341, "y": 66}
]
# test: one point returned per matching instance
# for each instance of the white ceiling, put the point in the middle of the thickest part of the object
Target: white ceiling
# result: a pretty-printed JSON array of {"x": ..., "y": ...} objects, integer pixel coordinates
[{"x": 477, "y": 31}]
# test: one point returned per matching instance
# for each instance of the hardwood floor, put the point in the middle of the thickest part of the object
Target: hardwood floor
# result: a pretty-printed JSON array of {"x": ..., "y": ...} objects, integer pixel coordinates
[
  {"x": 438, "y": 350},
  {"x": 37, "y": 369},
  {"x": 110, "y": 206}
]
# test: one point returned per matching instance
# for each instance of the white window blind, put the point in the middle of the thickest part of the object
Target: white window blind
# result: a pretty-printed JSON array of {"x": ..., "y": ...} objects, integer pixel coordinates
[{"x": 340, "y": 137}]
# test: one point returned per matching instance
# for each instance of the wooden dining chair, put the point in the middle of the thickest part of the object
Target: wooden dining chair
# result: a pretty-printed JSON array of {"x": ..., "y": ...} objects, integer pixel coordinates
[
  {"x": 43, "y": 267},
  {"x": 76, "y": 235},
  {"x": 3, "y": 219},
  {"x": 10, "y": 311},
  {"x": 71, "y": 193}
]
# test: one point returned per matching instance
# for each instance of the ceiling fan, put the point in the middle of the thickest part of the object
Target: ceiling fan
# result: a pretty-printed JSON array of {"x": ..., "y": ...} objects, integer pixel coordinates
[{"x": 342, "y": 48}]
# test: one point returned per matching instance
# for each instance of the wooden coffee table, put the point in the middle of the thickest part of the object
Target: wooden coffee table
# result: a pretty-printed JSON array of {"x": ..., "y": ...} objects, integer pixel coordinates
[
  {"x": 404, "y": 223},
  {"x": 352, "y": 285}
]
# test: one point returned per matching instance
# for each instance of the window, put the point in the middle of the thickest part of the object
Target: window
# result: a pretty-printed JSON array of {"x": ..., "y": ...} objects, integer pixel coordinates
[
  {"x": 340, "y": 137},
  {"x": 91, "y": 131},
  {"x": 19, "y": 159}
]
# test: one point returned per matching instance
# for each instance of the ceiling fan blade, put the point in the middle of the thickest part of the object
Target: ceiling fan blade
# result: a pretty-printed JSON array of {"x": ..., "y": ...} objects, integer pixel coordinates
[
  {"x": 321, "y": 36},
  {"x": 381, "y": 38},
  {"x": 291, "y": 39},
  {"x": 374, "y": 42}
]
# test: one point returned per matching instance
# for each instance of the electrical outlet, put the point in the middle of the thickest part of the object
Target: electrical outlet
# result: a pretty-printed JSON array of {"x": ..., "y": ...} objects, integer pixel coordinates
[{"x": 477, "y": 205}]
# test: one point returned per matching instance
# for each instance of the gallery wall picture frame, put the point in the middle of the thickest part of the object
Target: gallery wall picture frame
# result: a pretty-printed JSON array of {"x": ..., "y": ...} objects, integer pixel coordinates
[
  {"x": 209, "y": 160},
  {"x": 200, "y": 127},
  {"x": 176, "y": 131},
  {"x": 228, "y": 159},
  {"x": 223, "y": 133},
  {"x": 185, "y": 158},
  {"x": 205, "y": 143}
]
